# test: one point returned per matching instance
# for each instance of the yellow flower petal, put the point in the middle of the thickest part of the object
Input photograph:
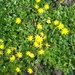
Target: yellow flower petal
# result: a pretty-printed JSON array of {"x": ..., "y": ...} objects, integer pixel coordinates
[
  {"x": 31, "y": 55},
  {"x": 8, "y": 51},
  {"x": 60, "y": 26},
  {"x": 47, "y": 45},
  {"x": 30, "y": 38},
  {"x": 2, "y": 46},
  {"x": 46, "y": 6},
  {"x": 37, "y": 1},
  {"x": 42, "y": 34},
  {"x": 48, "y": 21},
  {"x": 12, "y": 58},
  {"x": 18, "y": 69},
  {"x": 56, "y": 22},
  {"x": 18, "y": 20},
  {"x": 39, "y": 26},
  {"x": 30, "y": 71},
  {"x": 64, "y": 31},
  {"x": 40, "y": 10},
  {"x": 1, "y": 41},
  {"x": 28, "y": 52},
  {"x": 36, "y": 44},
  {"x": 1, "y": 52},
  {"x": 19, "y": 54},
  {"x": 61, "y": 1},
  {"x": 36, "y": 6},
  {"x": 41, "y": 51}
]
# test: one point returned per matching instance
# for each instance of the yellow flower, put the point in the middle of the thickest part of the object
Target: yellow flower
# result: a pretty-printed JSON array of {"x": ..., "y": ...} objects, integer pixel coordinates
[
  {"x": 42, "y": 34},
  {"x": 19, "y": 55},
  {"x": 64, "y": 31},
  {"x": 44, "y": 37},
  {"x": 39, "y": 26},
  {"x": 61, "y": 1},
  {"x": 12, "y": 58},
  {"x": 12, "y": 48},
  {"x": 41, "y": 51},
  {"x": 47, "y": 45},
  {"x": 65, "y": 63},
  {"x": 36, "y": 6},
  {"x": 2, "y": 46},
  {"x": 40, "y": 45},
  {"x": 31, "y": 55},
  {"x": 8, "y": 51},
  {"x": 30, "y": 38},
  {"x": 37, "y": 1},
  {"x": 40, "y": 10},
  {"x": 46, "y": 6},
  {"x": 36, "y": 44},
  {"x": 30, "y": 71},
  {"x": 38, "y": 39},
  {"x": 1, "y": 41},
  {"x": 1, "y": 52},
  {"x": 56, "y": 22},
  {"x": 28, "y": 52},
  {"x": 18, "y": 69},
  {"x": 18, "y": 20},
  {"x": 60, "y": 26},
  {"x": 48, "y": 21}
]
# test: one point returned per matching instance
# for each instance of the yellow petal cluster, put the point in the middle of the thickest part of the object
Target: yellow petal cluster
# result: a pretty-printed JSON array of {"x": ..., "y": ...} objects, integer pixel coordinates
[
  {"x": 36, "y": 6},
  {"x": 36, "y": 44},
  {"x": 64, "y": 31},
  {"x": 56, "y": 22},
  {"x": 46, "y": 6},
  {"x": 37, "y": 1},
  {"x": 47, "y": 45},
  {"x": 12, "y": 48},
  {"x": 48, "y": 21},
  {"x": 40, "y": 52},
  {"x": 40, "y": 10},
  {"x": 30, "y": 71},
  {"x": 2, "y": 46},
  {"x": 31, "y": 55},
  {"x": 1, "y": 41},
  {"x": 19, "y": 54},
  {"x": 12, "y": 58},
  {"x": 18, "y": 69},
  {"x": 38, "y": 39},
  {"x": 30, "y": 38},
  {"x": 39, "y": 26},
  {"x": 60, "y": 26},
  {"x": 18, "y": 20},
  {"x": 61, "y": 1},
  {"x": 1, "y": 52},
  {"x": 28, "y": 53},
  {"x": 41, "y": 34},
  {"x": 8, "y": 51}
]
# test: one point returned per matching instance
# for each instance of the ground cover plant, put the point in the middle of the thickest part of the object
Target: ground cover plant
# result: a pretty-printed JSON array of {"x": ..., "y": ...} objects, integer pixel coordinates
[{"x": 36, "y": 36}]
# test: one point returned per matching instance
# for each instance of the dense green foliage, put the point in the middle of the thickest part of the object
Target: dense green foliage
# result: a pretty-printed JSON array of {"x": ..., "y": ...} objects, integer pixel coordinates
[{"x": 61, "y": 52}]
